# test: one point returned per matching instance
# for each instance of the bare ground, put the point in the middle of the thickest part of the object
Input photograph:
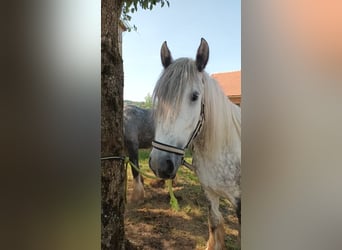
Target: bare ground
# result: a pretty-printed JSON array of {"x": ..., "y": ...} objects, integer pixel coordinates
[{"x": 153, "y": 225}]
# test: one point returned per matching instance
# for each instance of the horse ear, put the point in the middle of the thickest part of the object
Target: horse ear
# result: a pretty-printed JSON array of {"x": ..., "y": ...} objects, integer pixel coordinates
[
  {"x": 202, "y": 56},
  {"x": 165, "y": 54}
]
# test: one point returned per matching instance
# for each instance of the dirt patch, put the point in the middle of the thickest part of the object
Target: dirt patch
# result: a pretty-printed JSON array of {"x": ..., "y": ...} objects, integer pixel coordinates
[{"x": 153, "y": 225}]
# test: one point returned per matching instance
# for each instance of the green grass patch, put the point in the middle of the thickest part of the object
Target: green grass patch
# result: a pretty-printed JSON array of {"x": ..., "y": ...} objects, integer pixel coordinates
[{"x": 143, "y": 155}]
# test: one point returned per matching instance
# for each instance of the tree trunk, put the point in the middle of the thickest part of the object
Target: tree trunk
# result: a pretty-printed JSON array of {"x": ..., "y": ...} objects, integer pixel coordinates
[{"x": 112, "y": 171}]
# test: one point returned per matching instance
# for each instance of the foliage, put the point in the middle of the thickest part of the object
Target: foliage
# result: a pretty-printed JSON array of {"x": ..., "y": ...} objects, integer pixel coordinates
[
  {"x": 147, "y": 104},
  {"x": 131, "y": 6},
  {"x": 138, "y": 104},
  {"x": 148, "y": 101}
]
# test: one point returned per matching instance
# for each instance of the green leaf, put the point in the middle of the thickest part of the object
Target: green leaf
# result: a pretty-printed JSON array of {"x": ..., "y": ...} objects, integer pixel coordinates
[
  {"x": 144, "y": 4},
  {"x": 131, "y": 6}
]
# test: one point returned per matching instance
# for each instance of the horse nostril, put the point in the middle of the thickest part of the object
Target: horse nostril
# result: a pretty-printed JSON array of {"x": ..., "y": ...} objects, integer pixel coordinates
[{"x": 169, "y": 166}]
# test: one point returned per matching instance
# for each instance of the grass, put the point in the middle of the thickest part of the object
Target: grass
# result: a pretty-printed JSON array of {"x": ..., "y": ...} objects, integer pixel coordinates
[{"x": 186, "y": 226}]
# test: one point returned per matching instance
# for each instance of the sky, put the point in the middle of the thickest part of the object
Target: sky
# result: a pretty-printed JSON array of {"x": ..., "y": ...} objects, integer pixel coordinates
[{"x": 182, "y": 25}]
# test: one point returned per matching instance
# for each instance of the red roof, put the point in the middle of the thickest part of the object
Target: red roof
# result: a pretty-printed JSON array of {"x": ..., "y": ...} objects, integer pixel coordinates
[{"x": 230, "y": 82}]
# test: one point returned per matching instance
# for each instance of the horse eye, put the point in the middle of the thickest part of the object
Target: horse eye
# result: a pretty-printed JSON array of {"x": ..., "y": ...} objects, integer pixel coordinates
[{"x": 194, "y": 96}]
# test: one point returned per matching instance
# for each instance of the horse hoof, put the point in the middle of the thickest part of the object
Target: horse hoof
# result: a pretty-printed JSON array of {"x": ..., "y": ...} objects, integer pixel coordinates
[
  {"x": 137, "y": 198},
  {"x": 157, "y": 183},
  {"x": 174, "y": 181},
  {"x": 138, "y": 194}
]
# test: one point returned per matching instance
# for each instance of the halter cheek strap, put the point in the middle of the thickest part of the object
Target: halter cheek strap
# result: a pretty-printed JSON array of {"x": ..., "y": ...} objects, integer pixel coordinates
[
  {"x": 181, "y": 151},
  {"x": 198, "y": 126}
]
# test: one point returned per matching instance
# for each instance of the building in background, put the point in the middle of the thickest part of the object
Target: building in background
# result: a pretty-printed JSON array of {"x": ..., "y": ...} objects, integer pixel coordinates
[
  {"x": 122, "y": 28},
  {"x": 230, "y": 83}
]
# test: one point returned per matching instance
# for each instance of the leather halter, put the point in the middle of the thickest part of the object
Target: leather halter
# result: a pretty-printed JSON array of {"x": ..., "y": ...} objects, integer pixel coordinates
[{"x": 181, "y": 151}]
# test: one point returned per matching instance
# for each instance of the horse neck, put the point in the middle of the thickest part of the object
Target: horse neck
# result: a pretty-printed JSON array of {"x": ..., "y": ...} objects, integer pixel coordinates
[{"x": 221, "y": 129}]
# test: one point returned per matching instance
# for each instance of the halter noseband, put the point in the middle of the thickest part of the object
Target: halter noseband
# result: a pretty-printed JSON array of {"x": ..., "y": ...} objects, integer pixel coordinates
[{"x": 181, "y": 151}]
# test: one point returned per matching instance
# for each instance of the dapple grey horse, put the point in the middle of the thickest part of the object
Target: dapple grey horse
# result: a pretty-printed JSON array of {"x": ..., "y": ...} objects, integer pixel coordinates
[{"x": 138, "y": 133}]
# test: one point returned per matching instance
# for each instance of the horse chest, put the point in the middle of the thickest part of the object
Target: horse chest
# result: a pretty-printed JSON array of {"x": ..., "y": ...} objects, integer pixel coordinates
[{"x": 221, "y": 175}]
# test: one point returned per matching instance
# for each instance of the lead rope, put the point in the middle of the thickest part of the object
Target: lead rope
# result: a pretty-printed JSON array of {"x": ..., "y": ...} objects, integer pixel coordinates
[{"x": 188, "y": 165}]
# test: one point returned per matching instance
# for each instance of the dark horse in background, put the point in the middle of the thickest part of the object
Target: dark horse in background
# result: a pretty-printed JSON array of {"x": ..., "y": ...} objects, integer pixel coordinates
[{"x": 138, "y": 133}]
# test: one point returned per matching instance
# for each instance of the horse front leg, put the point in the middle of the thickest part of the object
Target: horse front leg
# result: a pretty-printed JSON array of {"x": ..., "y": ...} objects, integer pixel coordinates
[
  {"x": 138, "y": 192},
  {"x": 216, "y": 224}
]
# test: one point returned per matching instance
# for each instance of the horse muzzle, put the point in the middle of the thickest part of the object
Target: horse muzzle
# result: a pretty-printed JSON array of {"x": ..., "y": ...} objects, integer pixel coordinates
[{"x": 163, "y": 164}]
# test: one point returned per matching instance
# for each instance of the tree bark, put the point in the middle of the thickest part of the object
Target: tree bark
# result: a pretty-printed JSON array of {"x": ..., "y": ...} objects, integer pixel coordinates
[{"x": 112, "y": 171}]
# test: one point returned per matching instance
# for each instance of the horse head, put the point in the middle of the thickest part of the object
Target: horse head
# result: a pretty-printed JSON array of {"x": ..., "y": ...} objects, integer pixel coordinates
[{"x": 179, "y": 109}]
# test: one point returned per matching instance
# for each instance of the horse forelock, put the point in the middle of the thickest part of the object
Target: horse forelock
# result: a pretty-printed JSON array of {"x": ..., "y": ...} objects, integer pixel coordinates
[{"x": 168, "y": 92}]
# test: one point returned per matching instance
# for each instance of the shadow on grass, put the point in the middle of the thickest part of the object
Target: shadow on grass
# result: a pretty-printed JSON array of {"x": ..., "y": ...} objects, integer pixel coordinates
[{"x": 153, "y": 225}]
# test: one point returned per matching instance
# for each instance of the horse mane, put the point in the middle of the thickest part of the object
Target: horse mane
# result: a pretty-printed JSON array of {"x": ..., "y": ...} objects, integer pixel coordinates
[{"x": 222, "y": 126}]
